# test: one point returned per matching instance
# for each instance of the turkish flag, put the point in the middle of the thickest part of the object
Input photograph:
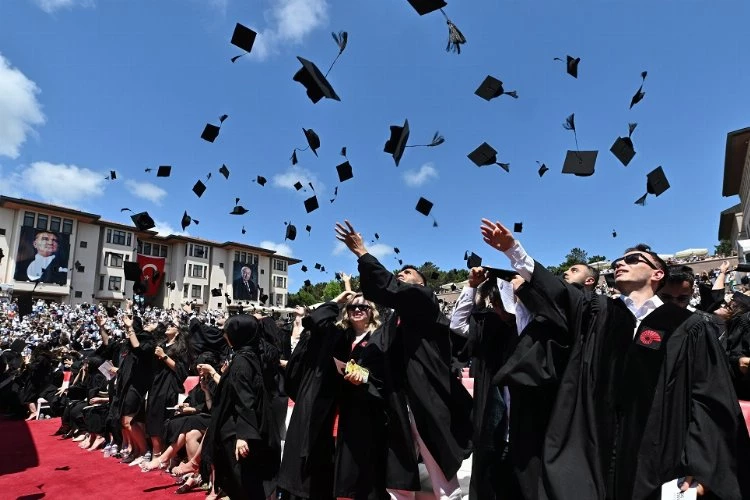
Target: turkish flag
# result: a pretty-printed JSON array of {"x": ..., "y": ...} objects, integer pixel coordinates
[{"x": 153, "y": 273}]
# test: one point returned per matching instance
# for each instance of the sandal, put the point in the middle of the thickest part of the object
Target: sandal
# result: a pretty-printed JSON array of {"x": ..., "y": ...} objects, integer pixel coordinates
[
  {"x": 192, "y": 481},
  {"x": 146, "y": 468},
  {"x": 185, "y": 468}
]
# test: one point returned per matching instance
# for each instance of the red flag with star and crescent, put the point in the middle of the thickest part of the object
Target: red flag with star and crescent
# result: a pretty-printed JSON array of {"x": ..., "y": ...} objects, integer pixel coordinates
[{"x": 153, "y": 273}]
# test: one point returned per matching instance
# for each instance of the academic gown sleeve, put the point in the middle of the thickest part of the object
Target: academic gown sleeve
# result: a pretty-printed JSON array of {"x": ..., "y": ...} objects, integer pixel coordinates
[{"x": 247, "y": 425}]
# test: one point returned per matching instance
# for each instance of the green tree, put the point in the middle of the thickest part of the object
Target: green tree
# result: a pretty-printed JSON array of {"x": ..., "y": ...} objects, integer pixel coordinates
[
  {"x": 301, "y": 298},
  {"x": 332, "y": 290},
  {"x": 596, "y": 258},
  {"x": 724, "y": 248},
  {"x": 576, "y": 255}
]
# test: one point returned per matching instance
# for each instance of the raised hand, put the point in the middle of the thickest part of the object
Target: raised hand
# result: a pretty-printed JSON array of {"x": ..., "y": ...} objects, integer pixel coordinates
[
  {"x": 477, "y": 276},
  {"x": 496, "y": 235},
  {"x": 351, "y": 238}
]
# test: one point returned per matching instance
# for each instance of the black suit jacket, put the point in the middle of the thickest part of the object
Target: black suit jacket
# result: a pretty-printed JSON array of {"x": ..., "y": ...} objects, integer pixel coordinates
[
  {"x": 241, "y": 292},
  {"x": 50, "y": 275}
]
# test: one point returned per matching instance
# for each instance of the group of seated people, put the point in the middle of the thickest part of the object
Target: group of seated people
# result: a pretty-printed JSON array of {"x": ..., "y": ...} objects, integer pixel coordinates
[{"x": 576, "y": 394}]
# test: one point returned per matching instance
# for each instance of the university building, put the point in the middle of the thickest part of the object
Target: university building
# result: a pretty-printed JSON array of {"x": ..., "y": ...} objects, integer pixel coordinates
[{"x": 91, "y": 257}]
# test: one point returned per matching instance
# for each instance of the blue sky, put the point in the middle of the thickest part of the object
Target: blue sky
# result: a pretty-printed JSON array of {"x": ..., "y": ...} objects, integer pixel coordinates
[{"x": 98, "y": 85}]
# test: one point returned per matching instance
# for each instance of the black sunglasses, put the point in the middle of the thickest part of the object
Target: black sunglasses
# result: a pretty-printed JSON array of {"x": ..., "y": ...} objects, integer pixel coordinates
[
  {"x": 358, "y": 307},
  {"x": 632, "y": 259}
]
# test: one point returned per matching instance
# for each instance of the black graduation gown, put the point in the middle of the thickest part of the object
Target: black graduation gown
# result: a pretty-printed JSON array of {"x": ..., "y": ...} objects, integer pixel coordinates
[
  {"x": 243, "y": 411},
  {"x": 165, "y": 387},
  {"x": 206, "y": 338},
  {"x": 312, "y": 382},
  {"x": 416, "y": 343},
  {"x": 135, "y": 374},
  {"x": 635, "y": 412},
  {"x": 183, "y": 423},
  {"x": 738, "y": 346}
]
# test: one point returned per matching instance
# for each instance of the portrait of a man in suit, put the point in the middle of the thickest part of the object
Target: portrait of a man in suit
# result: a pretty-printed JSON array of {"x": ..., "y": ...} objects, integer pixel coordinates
[
  {"x": 244, "y": 287},
  {"x": 46, "y": 265}
]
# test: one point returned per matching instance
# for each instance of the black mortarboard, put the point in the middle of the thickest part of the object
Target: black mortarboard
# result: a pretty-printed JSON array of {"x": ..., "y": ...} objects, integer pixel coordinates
[
  {"x": 572, "y": 65},
  {"x": 317, "y": 266},
  {"x": 491, "y": 87},
  {"x": 395, "y": 249},
  {"x": 312, "y": 139},
  {"x": 211, "y": 132},
  {"x": 741, "y": 299},
  {"x": 503, "y": 274},
  {"x": 614, "y": 233},
  {"x": 486, "y": 155},
  {"x": 426, "y": 6},
  {"x": 314, "y": 81},
  {"x": 164, "y": 171},
  {"x": 303, "y": 269},
  {"x": 239, "y": 210},
  {"x": 199, "y": 188},
  {"x": 224, "y": 171},
  {"x": 542, "y": 169},
  {"x": 244, "y": 38},
  {"x": 639, "y": 94},
  {"x": 397, "y": 142},
  {"x": 337, "y": 276},
  {"x": 112, "y": 175},
  {"x": 474, "y": 260},
  {"x": 291, "y": 232},
  {"x": 243, "y": 230},
  {"x": 143, "y": 221},
  {"x": 308, "y": 228},
  {"x": 623, "y": 147},
  {"x": 345, "y": 171},
  {"x": 311, "y": 204},
  {"x": 322, "y": 269},
  {"x": 518, "y": 227},
  {"x": 298, "y": 185},
  {"x": 186, "y": 220},
  {"x": 215, "y": 292},
  {"x": 261, "y": 180},
  {"x": 132, "y": 271},
  {"x": 742, "y": 268},
  {"x": 656, "y": 182},
  {"x": 424, "y": 206},
  {"x": 308, "y": 283},
  {"x": 580, "y": 163}
]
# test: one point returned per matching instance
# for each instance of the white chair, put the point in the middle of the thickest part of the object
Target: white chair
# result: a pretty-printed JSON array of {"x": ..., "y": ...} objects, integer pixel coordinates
[{"x": 41, "y": 404}]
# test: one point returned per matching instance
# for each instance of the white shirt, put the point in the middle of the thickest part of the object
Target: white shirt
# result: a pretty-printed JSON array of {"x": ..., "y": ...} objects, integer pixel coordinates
[
  {"x": 38, "y": 265},
  {"x": 641, "y": 312},
  {"x": 462, "y": 311}
]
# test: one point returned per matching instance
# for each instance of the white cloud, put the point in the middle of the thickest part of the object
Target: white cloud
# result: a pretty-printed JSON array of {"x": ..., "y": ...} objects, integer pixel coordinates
[
  {"x": 58, "y": 183},
  {"x": 339, "y": 248},
  {"x": 165, "y": 228},
  {"x": 289, "y": 22},
  {"x": 294, "y": 174},
  {"x": 50, "y": 6},
  {"x": 19, "y": 109},
  {"x": 280, "y": 248},
  {"x": 415, "y": 178},
  {"x": 378, "y": 250},
  {"x": 146, "y": 190}
]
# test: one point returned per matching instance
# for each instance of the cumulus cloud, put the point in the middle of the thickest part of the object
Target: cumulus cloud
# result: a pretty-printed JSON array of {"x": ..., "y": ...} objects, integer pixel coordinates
[
  {"x": 50, "y": 6},
  {"x": 416, "y": 178},
  {"x": 288, "y": 23},
  {"x": 294, "y": 174},
  {"x": 19, "y": 109},
  {"x": 165, "y": 228},
  {"x": 146, "y": 191},
  {"x": 378, "y": 250},
  {"x": 57, "y": 183},
  {"x": 280, "y": 248}
]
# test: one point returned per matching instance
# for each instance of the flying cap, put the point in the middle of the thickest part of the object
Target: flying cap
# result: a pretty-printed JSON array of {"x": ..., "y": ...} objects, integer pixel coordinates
[
  {"x": 542, "y": 169},
  {"x": 580, "y": 163},
  {"x": 224, "y": 171},
  {"x": 308, "y": 228},
  {"x": 424, "y": 206},
  {"x": 164, "y": 171},
  {"x": 623, "y": 147},
  {"x": 312, "y": 139},
  {"x": 397, "y": 142},
  {"x": 314, "y": 81},
  {"x": 187, "y": 220},
  {"x": 518, "y": 227},
  {"x": 211, "y": 132},
  {"x": 426, "y": 6},
  {"x": 639, "y": 94},
  {"x": 298, "y": 185},
  {"x": 244, "y": 38},
  {"x": 345, "y": 171},
  {"x": 502, "y": 274},
  {"x": 308, "y": 283},
  {"x": 317, "y": 266},
  {"x": 486, "y": 155},
  {"x": 303, "y": 269},
  {"x": 112, "y": 175},
  {"x": 656, "y": 182},
  {"x": 239, "y": 210},
  {"x": 474, "y": 260},
  {"x": 215, "y": 292},
  {"x": 143, "y": 221},
  {"x": 261, "y": 180},
  {"x": 199, "y": 188},
  {"x": 491, "y": 88},
  {"x": 571, "y": 65},
  {"x": 311, "y": 204},
  {"x": 132, "y": 271},
  {"x": 291, "y": 232}
]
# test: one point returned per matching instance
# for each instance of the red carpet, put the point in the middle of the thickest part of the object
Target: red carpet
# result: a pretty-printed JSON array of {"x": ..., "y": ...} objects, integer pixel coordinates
[{"x": 35, "y": 465}]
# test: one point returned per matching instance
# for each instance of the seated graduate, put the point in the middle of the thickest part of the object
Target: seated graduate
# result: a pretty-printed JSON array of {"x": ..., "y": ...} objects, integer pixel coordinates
[
  {"x": 427, "y": 406},
  {"x": 646, "y": 397}
]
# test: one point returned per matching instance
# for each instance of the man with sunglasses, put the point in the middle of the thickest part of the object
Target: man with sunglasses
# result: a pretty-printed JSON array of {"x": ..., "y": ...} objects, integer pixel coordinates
[{"x": 646, "y": 396}]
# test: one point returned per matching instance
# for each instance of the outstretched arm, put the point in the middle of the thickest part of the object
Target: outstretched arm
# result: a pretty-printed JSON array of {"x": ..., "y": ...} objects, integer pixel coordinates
[{"x": 501, "y": 238}]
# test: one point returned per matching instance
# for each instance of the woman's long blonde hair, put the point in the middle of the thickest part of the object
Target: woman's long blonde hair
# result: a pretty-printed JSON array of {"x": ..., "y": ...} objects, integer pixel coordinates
[{"x": 374, "y": 323}]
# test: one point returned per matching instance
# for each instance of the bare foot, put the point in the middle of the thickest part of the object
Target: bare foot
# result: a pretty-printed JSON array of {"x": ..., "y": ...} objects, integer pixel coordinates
[{"x": 96, "y": 444}]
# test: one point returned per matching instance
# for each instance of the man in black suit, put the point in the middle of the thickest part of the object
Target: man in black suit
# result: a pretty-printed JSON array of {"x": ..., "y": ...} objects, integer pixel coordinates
[
  {"x": 244, "y": 287},
  {"x": 46, "y": 266}
]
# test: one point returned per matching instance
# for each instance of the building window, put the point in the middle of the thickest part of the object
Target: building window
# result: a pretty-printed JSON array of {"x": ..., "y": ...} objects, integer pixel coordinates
[
  {"x": 84, "y": 244},
  {"x": 67, "y": 226},
  {"x": 41, "y": 222},
  {"x": 279, "y": 281},
  {"x": 279, "y": 265},
  {"x": 185, "y": 287},
  {"x": 119, "y": 237},
  {"x": 198, "y": 271},
  {"x": 113, "y": 259},
  {"x": 54, "y": 224},
  {"x": 279, "y": 300},
  {"x": 218, "y": 306},
  {"x": 28, "y": 219},
  {"x": 198, "y": 251},
  {"x": 221, "y": 265},
  {"x": 163, "y": 251},
  {"x": 101, "y": 282},
  {"x": 195, "y": 291},
  {"x": 78, "y": 295},
  {"x": 146, "y": 249},
  {"x": 109, "y": 236},
  {"x": 115, "y": 282}
]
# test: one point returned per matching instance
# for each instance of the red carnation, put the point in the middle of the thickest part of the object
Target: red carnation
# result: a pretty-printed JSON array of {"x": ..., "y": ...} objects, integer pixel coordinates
[{"x": 648, "y": 337}]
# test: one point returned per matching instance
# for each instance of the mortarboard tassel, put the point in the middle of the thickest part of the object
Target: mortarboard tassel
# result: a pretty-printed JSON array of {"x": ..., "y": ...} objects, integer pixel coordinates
[
  {"x": 343, "y": 151},
  {"x": 542, "y": 169},
  {"x": 335, "y": 194},
  {"x": 631, "y": 128},
  {"x": 437, "y": 140},
  {"x": 147, "y": 170},
  {"x": 455, "y": 37},
  {"x": 294, "y": 157},
  {"x": 640, "y": 94},
  {"x": 642, "y": 200},
  {"x": 341, "y": 39},
  {"x": 570, "y": 124},
  {"x": 125, "y": 209}
]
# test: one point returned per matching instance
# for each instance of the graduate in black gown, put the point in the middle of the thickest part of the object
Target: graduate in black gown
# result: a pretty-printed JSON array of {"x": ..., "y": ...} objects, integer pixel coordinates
[
  {"x": 242, "y": 443},
  {"x": 646, "y": 397}
]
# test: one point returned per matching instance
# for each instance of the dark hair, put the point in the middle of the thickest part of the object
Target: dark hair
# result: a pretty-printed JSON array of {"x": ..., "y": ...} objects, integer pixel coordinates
[
  {"x": 489, "y": 294},
  {"x": 642, "y": 247},
  {"x": 409, "y": 266},
  {"x": 593, "y": 272},
  {"x": 678, "y": 274}
]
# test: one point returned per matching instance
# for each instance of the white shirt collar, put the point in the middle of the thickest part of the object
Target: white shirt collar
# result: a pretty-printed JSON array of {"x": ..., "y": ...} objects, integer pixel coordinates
[{"x": 38, "y": 265}]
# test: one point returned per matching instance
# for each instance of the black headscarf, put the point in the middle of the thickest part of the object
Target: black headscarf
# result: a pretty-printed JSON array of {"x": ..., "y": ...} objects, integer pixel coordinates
[{"x": 242, "y": 330}]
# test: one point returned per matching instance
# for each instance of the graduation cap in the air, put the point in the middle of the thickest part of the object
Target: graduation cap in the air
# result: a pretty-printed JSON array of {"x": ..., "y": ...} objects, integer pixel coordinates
[
  {"x": 132, "y": 271},
  {"x": 261, "y": 180},
  {"x": 308, "y": 283},
  {"x": 542, "y": 169},
  {"x": 311, "y": 204},
  {"x": 208, "y": 176},
  {"x": 112, "y": 175},
  {"x": 337, "y": 276},
  {"x": 308, "y": 228},
  {"x": 503, "y": 274},
  {"x": 397, "y": 142},
  {"x": 228, "y": 298},
  {"x": 143, "y": 221},
  {"x": 473, "y": 260},
  {"x": 164, "y": 171},
  {"x": 298, "y": 185},
  {"x": 291, "y": 231},
  {"x": 656, "y": 184},
  {"x": 244, "y": 38},
  {"x": 623, "y": 146},
  {"x": 238, "y": 210},
  {"x": 211, "y": 132},
  {"x": 639, "y": 94},
  {"x": 572, "y": 65},
  {"x": 243, "y": 230},
  {"x": 486, "y": 155},
  {"x": 317, "y": 266},
  {"x": 199, "y": 188},
  {"x": 518, "y": 227},
  {"x": 580, "y": 163},
  {"x": 344, "y": 170},
  {"x": 313, "y": 142},
  {"x": 303, "y": 269},
  {"x": 455, "y": 37},
  {"x": 224, "y": 171},
  {"x": 187, "y": 220},
  {"x": 491, "y": 88},
  {"x": 314, "y": 81},
  {"x": 215, "y": 292},
  {"x": 614, "y": 233},
  {"x": 424, "y": 207}
]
